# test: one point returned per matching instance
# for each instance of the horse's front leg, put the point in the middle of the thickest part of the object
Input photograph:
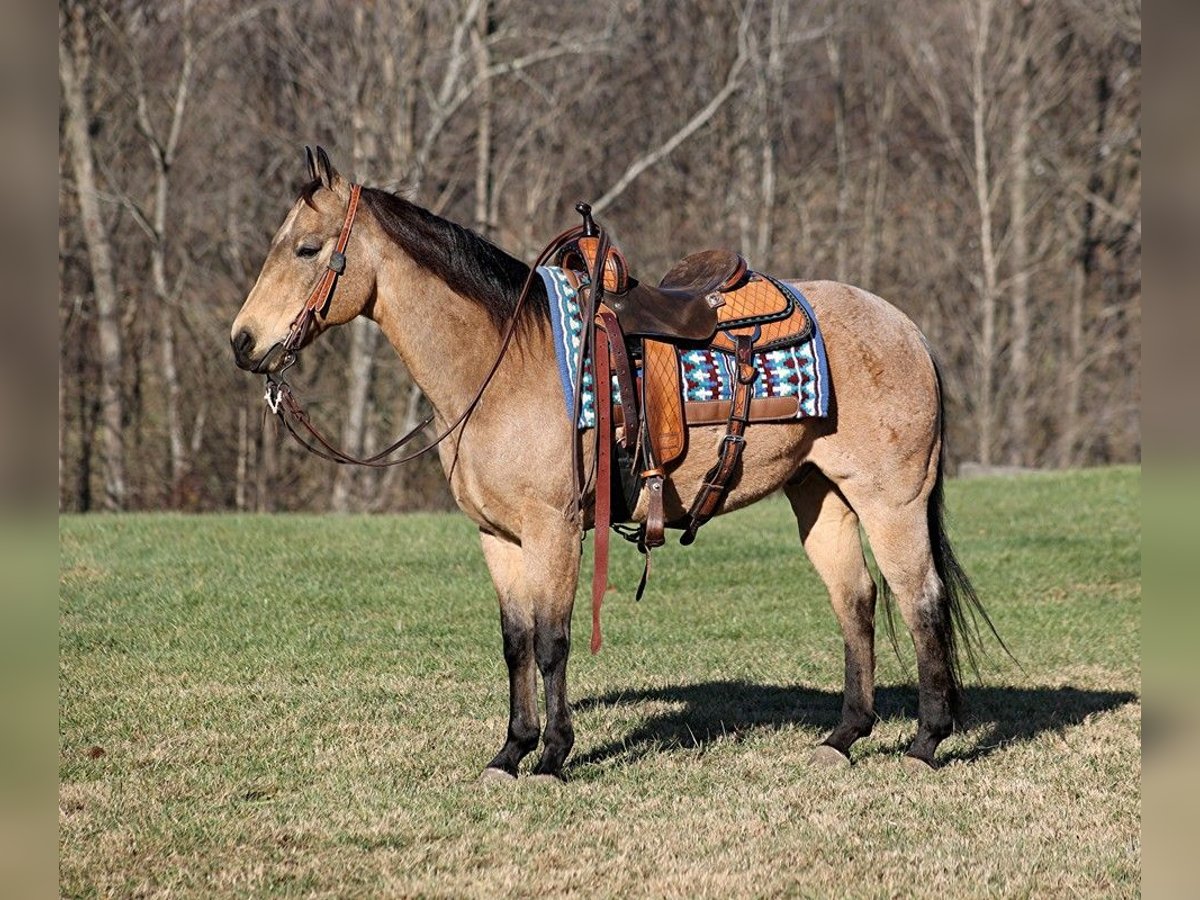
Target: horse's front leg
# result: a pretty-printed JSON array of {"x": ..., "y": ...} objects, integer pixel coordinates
[
  {"x": 505, "y": 561},
  {"x": 552, "y": 552}
]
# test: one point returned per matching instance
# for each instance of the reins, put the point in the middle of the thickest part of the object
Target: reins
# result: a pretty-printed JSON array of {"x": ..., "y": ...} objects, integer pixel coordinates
[{"x": 283, "y": 403}]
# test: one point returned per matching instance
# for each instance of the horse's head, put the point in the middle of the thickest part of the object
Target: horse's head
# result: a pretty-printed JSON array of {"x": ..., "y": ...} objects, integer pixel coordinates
[{"x": 301, "y": 254}]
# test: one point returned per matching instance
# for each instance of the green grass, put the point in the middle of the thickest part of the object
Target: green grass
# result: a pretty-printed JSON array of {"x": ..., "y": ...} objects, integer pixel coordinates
[{"x": 298, "y": 705}]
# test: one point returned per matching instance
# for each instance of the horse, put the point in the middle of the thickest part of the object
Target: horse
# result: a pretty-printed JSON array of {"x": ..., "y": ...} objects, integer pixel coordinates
[{"x": 448, "y": 301}]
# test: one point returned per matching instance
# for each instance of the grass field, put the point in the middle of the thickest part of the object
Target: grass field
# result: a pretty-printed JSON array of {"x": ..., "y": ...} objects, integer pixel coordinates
[{"x": 299, "y": 705}]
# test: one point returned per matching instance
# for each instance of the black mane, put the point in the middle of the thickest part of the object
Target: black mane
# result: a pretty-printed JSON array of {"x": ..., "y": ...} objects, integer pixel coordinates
[{"x": 471, "y": 265}]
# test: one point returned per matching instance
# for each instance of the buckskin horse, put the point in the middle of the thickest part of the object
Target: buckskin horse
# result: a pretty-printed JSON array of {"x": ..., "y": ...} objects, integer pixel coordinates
[{"x": 875, "y": 459}]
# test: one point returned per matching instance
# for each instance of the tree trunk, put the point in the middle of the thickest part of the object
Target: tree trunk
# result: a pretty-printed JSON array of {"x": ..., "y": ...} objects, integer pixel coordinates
[
  {"x": 768, "y": 128},
  {"x": 364, "y": 334},
  {"x": 73, "y": 64},
  {"x": 1022, "y": 453},
  {"x": 243, "y": 448},
  {"x": 985, "y": 406},
  {"x": 483, "y": 136},
  {"x": 1085, "y": 259},
  {"x": 833, "y": 46},
  {"x": 170, "y": 375},
  {"x": 267, "y": 468},
  {"x": 876, "y": 185}
]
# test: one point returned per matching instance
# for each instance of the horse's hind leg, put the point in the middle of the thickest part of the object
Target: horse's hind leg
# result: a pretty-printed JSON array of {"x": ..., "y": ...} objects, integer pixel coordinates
[
  {"x": 900, "y": 539},
  {"x": 829, "y": 532},
  {"x": 506, "y": 564}
]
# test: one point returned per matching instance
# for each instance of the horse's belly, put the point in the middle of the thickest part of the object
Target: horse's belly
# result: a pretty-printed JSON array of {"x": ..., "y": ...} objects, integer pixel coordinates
[{"x": 772, "y": 456}]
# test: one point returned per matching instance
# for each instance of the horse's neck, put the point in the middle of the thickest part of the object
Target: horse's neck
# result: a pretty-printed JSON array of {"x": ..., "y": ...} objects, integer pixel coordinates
[{"x": 447, "y": 342}]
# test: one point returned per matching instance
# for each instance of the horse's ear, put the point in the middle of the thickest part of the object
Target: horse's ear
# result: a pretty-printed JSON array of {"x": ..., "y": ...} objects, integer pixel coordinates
[
  {"x": 312, "y": 163},
  {"x": 325, "y": 171}
]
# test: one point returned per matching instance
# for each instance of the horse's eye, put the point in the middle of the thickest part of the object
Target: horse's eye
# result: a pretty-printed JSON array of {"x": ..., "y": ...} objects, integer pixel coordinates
[{"x": 305, "y": 251}]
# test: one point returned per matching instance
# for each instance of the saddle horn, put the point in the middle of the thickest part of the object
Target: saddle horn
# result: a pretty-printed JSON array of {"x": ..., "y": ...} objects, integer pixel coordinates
[{"x": 581, "y": 253}]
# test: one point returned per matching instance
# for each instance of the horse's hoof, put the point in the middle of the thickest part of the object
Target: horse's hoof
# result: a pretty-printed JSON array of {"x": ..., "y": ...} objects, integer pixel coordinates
[
  {"x": 828, "y": 757},
  {"x": 491, "y": 776},
  {"x": 918, "y": 766},
  {"x": 545, "y": 779}
]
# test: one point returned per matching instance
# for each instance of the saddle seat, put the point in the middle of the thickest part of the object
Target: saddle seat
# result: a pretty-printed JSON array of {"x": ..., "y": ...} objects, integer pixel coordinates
[{"x": 684, "y": 305}]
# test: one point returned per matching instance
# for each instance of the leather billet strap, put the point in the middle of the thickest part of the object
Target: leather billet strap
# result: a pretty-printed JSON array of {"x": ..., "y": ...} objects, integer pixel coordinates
[
  {"x": 601, "y": 339},
  {"x": 322, "y": 295},
  {"x": 624, "y": 373},
  {"x": 654, "y": 534},
  {"x": 716, "y": 482}
]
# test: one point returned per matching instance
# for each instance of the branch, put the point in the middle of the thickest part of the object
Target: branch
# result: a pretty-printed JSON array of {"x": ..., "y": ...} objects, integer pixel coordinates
[
  {"x": 444, "y": 110},
  {"x": 457, "y": 54},
  {"x": 694, "y": 124}
]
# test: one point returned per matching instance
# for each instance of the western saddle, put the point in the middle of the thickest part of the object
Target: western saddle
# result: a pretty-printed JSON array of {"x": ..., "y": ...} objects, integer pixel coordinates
[{"x": 635, "y": 332}]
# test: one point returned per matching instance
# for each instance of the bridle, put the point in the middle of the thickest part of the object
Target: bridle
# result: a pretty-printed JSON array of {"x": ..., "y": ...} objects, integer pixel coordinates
[
  {"x": 282, "y": 401},
  {"x": 322, "y": 295}
]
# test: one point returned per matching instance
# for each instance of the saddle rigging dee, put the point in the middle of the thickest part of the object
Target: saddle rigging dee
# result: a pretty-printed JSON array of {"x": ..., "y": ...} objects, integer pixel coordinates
[{"x": 636, "y": 333}]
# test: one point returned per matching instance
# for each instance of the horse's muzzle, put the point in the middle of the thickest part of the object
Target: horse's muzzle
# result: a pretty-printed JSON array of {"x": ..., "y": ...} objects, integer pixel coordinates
[
  {"x": 243, "y": 347},
  {"x": 243, "y": 344}
]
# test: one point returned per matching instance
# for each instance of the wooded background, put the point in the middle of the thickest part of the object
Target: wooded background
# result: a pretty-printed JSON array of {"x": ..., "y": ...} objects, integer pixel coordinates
[{"x": 975, "y": 162}]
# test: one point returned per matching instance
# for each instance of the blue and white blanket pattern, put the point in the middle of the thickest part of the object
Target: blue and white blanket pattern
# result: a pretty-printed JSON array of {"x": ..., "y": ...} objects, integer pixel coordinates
[{"x": 800, "y": 370}]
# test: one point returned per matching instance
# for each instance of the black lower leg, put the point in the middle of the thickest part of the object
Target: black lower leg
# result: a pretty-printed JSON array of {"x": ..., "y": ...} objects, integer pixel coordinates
[
  {"x": 858, "y": 704},
  {"x": 552, "y": 646},
  {"x": 522, "y": 694},
  {"x": 855, "y": 724},
  {"x": 938, "y": 697}
]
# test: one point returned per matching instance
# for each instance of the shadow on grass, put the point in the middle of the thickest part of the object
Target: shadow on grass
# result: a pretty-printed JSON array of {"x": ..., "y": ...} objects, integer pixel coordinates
[{"x": 707, "y": 712}]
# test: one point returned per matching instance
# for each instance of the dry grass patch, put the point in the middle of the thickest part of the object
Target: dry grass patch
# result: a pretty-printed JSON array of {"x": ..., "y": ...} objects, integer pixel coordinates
[{"x": 275, "y": 724}]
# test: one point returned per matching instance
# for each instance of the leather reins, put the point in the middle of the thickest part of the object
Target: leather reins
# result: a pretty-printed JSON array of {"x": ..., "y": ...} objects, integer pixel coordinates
[{"x": 282, "y": 401}]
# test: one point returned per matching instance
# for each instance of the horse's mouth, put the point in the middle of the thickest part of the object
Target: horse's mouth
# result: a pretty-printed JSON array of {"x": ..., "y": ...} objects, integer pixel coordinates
[{"x": 273, "y": 360}]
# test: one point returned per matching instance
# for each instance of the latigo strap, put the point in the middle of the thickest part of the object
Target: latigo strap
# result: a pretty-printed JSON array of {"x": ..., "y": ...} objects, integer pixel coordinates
[
  {"x": 716, "y": 482},
  {"x": 603, "y": 513}
]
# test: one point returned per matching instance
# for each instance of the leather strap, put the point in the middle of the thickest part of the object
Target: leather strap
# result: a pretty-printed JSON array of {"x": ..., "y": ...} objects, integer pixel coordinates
[
  {"x": 654, "y": 535},
  {"x": 716, "y": 482},
  {"x": 322, "y": 295},
  {"x": 603, "y": 514},
  {"x": 624, "y": 373}
]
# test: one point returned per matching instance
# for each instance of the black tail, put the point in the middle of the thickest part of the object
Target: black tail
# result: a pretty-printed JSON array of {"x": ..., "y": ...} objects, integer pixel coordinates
[{"x": 961, "y": 610}]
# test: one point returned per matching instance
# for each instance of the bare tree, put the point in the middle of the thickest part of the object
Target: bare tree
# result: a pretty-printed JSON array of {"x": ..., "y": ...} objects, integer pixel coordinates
[
  {"x": 975, "y": 161},
  {"x": 74, "y": 63}
]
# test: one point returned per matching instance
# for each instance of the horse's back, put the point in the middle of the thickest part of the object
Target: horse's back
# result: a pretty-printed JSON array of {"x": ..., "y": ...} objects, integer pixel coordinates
[{"x": 843, "y": 310}]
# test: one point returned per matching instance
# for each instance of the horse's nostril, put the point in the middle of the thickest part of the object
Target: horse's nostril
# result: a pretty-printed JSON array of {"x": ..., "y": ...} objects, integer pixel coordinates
[{"x": 242, "y": 343}]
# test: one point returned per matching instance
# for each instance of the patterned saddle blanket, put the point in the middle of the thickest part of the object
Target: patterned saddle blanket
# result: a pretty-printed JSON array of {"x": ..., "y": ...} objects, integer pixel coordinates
[{"x": 793, "y": 374}]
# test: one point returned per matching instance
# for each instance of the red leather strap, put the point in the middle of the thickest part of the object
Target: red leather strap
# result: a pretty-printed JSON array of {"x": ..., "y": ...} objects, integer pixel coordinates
[{"x": 603, "y": 516}]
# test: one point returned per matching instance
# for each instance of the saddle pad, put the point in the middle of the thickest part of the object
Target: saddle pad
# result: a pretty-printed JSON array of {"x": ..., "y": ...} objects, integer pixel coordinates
[{"x": 800, "y": 370}]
